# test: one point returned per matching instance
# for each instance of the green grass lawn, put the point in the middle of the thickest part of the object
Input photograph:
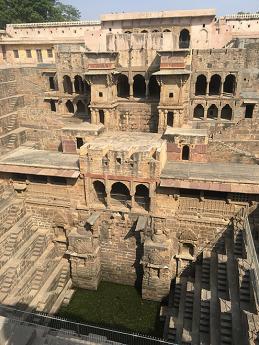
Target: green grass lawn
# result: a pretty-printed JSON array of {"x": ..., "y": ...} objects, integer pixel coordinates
[{"x": 115, "y": 306}]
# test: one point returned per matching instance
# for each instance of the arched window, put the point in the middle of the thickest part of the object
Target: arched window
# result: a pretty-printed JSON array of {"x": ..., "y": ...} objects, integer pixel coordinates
[
  {"x": 230, "y": 84},
  {"x": 170, "y": 119},
  {"x": 167, "y": 30},
  {"x": 70, "y": 107},
  {"x": 215, "y": 85},
  {"x": 139, "y": 86},
  {"x": 101, "y": 116},
  {"x": 100, "y": 192},
  {"x": 67, "y": 84},
  {"x": 123, "y": 88},
  {"x": 155, "y": 31},
  {"x": 80, "y": 107},
  {"x": 185, "y": 153},
  {"x": 142, "y": 196},
  {"x": 212, "y": 112},
  {"x": 184, "y": 39},
  {"x": 78, "y": 84},
  {"x": 201, "y": 85},
  {"x": 154, "y": 88},
  {"x": 144, "y": 31},
  {"x": 128, "y": 32},
  {"x": 198, "y": 112},
  {"x": 226, "y": 113},
  {"x": 120, "y": 194}
]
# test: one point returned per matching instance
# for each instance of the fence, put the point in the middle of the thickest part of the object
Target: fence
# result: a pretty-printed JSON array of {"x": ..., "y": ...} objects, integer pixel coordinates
[{"x": 98, "y": 334}]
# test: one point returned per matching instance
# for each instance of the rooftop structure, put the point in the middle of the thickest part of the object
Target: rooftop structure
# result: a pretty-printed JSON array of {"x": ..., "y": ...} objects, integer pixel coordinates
[{"x": 129, "y": 153}]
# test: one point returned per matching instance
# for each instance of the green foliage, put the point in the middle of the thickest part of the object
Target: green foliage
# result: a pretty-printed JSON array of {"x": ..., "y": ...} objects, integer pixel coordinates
[
  {"x": 115, "y": 306},
  {"x": 33, "y": 11}
]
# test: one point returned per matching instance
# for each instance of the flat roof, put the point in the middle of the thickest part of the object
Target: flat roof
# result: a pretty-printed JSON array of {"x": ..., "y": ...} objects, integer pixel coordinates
[
  {"x": 124, "y": 141},
  {"x": 221, "y": 172},
  {"x": 26, "y": 160},
  {"x": 192, "y": 132},
  {"x": 224, "y": 177},
  {"x": 160, "y": 15}
]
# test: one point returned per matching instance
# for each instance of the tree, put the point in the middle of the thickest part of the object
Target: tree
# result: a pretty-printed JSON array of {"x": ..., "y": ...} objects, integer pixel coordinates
[{"x": 32, "y": 11}]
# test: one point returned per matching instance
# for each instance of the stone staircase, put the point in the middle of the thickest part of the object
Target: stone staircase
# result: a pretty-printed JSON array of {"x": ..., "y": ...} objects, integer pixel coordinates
[{"x": 208, "y": 305}]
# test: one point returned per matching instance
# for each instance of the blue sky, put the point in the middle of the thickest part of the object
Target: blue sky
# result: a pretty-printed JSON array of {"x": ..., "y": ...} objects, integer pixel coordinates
[{"x": 94, "y": 8}]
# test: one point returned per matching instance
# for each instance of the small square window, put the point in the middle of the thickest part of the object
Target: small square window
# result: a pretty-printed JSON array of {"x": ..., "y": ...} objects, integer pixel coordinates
[
  {"x": 171, "y": 95},
  {"x": 16, "y": 53},
  {"x": 203, "y": 25},
  {"x": 28, "y": 53},
  {"x": 100, "y": 94},
  {"x": 50, "y": 53},
  {"x": 79, "y": 142},
  {"x": 118, "y": 160}
]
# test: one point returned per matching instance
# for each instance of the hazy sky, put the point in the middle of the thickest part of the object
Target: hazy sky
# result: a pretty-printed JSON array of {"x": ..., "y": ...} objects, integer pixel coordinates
[{"x": 92, "y": 9}]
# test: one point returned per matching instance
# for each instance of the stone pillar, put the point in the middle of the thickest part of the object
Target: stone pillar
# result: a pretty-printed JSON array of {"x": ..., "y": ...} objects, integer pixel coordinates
[
  {"x": 108, "y": 192},
  {"x": 161, "y": 121},
  {"x": 221, "y": 87},
  {"x": 219, "y": 112},
  {"x": 107, "y": 122},
  {"x": 131, "y": 90},
  {"x": 208, "y": 87},
  {"x": 147, "y": 89}
]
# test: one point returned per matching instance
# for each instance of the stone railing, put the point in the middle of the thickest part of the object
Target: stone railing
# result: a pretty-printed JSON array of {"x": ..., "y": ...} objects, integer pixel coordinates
[
  {"x": 51, "y": 24},
  {"x": 242, "y": 16}
]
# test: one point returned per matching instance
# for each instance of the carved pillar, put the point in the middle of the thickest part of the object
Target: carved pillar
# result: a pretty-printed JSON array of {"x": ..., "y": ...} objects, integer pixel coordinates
[
  {"x": 131, "y": 89},
  {"x": 161, "y": 121},
  {"x": 108, "y": 192},
  {"x": 107, "y": 119}
]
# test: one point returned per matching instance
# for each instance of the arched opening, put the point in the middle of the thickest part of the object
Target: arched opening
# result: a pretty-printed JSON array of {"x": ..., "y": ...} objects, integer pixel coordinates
[
  {"x": 215, "y": 85},
  {"x": 184, "y": 39},
  {"x": 139, "y": 86},
  {"x": 198, "y": 112},
  {"x": 120, "y": 194},
  {"x": 170, "y": 119},
  {"x": 154, "y": 88},
  {"x": 154, "y": 31},
  {"x": 226, "y": 113},
  {"x": 144, "y": 31},
  {"x": 101, "y": 116},
  {"x": 80, "y": 106},
  {"x": 230, "y": 84},
  {"x": 142, "y": 196},
  {"x": 186, "y": 153},
  {"x": 212, "y": 112},
  {"x": 100, "y": 192},
  {"x": 123, "y": 88},
  {"x": 167, "y": 30},
  {"x": 70, "y": 107},
  {"x": 187, "y": 250},
  {"x": 67, "y": 84},
  {"x": 201, "y": 85},
  {"x": 78, "y": 84},
  {"x": 128, "y": 32}
]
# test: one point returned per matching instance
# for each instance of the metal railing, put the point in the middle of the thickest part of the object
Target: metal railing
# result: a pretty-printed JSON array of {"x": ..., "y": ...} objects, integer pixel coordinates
[{"x": 78, "y": 329}]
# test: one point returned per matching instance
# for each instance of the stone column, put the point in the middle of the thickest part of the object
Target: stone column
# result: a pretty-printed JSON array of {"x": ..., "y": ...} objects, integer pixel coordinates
[
  {"x": 208, "y": 87},
  {"x": 131, "y": 90},
  {"x": 161, "y": 121},
  {"x": 147, "y": 89},
  {"x": 108, "y": 192},
  {"x": 107, "y": 122}
]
